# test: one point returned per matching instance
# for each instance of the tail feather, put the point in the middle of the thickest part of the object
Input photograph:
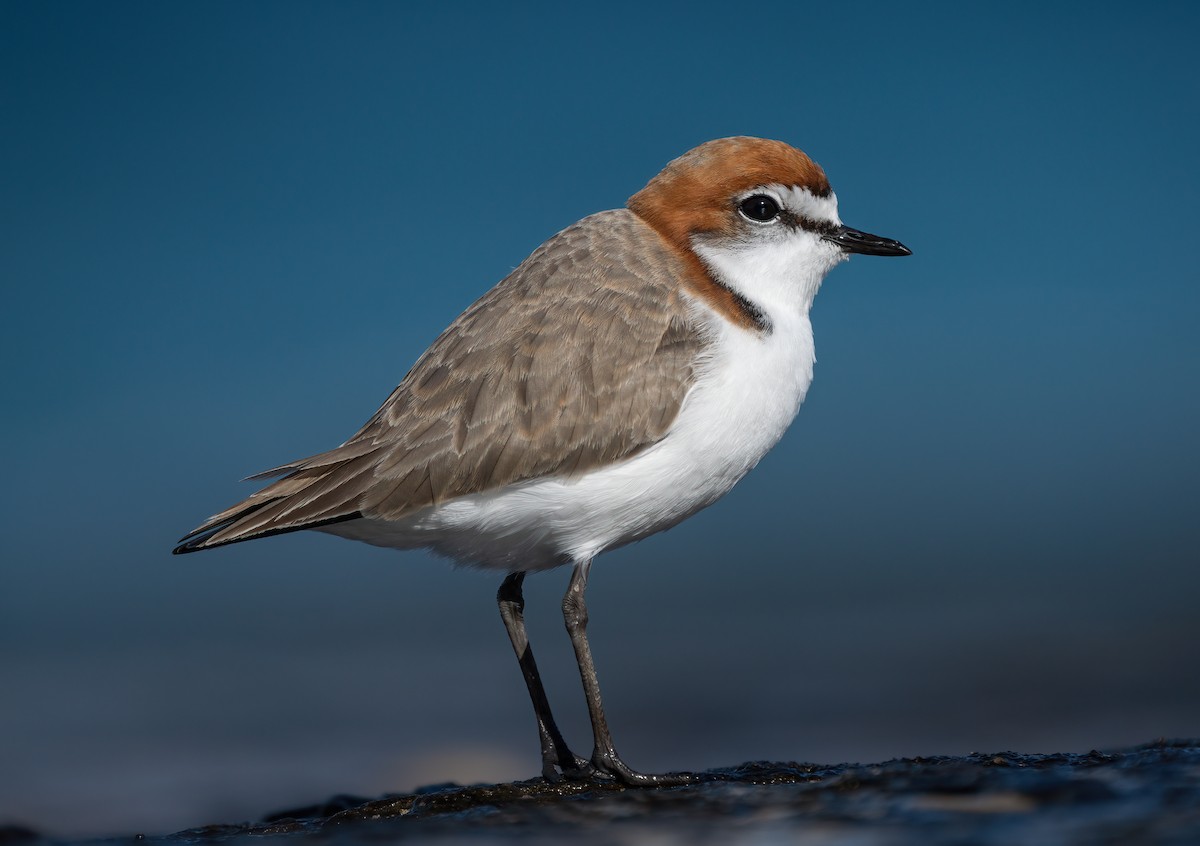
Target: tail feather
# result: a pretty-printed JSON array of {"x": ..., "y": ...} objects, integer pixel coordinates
[
  {"x": 338, "y": 455},
  {"x": 316, "y": 492},
  {"x": 206, "y": 538}
]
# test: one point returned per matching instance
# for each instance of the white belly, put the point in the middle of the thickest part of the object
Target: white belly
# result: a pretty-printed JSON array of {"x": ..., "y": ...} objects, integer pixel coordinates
[{"x": 747, "y": 395}]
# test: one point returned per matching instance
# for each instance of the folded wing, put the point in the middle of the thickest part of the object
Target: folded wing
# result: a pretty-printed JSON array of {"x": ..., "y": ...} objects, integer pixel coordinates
[{"x": 578, "y": 359}]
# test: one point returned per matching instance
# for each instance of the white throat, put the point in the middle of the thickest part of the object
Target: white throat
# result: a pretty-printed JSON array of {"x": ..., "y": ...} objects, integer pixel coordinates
[{"x": 781, "y": 278}]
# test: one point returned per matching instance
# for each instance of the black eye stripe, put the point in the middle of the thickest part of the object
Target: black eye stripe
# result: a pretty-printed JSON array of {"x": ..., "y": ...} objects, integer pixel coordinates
[
  {"x": 821, "y": 227},
  {"x": 759, "y": 207}
]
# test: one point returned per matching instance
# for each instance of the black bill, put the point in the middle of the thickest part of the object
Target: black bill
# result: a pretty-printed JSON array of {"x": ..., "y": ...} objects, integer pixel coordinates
[{"x": 853, "y": 241}]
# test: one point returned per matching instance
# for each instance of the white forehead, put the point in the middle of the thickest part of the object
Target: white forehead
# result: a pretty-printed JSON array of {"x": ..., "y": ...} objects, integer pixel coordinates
[{"x": 802, "y": 202}]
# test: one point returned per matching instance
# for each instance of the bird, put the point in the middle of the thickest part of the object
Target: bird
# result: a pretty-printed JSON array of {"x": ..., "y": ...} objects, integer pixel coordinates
[{"x": 624, "y": 376}]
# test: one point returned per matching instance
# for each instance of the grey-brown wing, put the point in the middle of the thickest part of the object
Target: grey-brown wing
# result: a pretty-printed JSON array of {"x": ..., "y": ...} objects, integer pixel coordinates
[{"x": 577, "y": 359}]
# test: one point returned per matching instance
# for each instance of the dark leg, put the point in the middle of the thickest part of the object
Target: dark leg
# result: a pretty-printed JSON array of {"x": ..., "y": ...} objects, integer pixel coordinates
[
  {"x": 604, "y": 756},
  {"x": 554, "y": 749}
]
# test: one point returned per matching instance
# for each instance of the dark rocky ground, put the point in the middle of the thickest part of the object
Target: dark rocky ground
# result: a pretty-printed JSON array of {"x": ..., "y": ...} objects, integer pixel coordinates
[{"x": 1149, "y": 794}]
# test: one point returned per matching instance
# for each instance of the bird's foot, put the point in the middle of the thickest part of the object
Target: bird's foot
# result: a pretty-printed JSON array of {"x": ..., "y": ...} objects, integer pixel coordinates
[
  {"x": 608, "y": 764},
  {"x": 570, "y": 767}
]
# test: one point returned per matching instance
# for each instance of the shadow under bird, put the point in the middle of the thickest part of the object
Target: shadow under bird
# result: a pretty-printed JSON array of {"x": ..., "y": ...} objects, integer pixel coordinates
[{"x": 626, "y": 375}]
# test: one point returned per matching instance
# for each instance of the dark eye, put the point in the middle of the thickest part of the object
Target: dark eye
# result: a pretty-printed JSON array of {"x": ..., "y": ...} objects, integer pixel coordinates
[{"x": 760, "y": 207}]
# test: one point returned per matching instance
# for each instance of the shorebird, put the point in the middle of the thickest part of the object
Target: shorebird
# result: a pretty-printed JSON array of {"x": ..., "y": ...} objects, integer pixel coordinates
[{"x": 626, "y": 375}]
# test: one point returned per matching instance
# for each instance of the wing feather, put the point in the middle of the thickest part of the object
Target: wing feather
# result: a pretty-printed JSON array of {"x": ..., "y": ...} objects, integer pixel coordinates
[{"x": 577, "y": 359}]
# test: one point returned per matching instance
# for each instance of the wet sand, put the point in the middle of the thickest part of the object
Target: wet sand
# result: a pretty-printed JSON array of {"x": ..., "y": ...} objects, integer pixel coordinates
[{"x": 1148, "y": 794}]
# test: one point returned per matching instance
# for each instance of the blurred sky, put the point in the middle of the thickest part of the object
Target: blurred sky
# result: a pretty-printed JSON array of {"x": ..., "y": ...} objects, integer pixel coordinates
[{"x": 227, "y": 230}]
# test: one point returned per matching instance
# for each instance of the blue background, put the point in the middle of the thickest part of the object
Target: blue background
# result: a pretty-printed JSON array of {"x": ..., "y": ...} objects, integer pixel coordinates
[{"x": 227, "y": 229}]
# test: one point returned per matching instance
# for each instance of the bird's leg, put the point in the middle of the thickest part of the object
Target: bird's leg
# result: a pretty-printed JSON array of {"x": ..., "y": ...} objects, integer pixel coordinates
[
  {"x": 555, "y": 752},
  {"x": 604, "y": 756}
]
